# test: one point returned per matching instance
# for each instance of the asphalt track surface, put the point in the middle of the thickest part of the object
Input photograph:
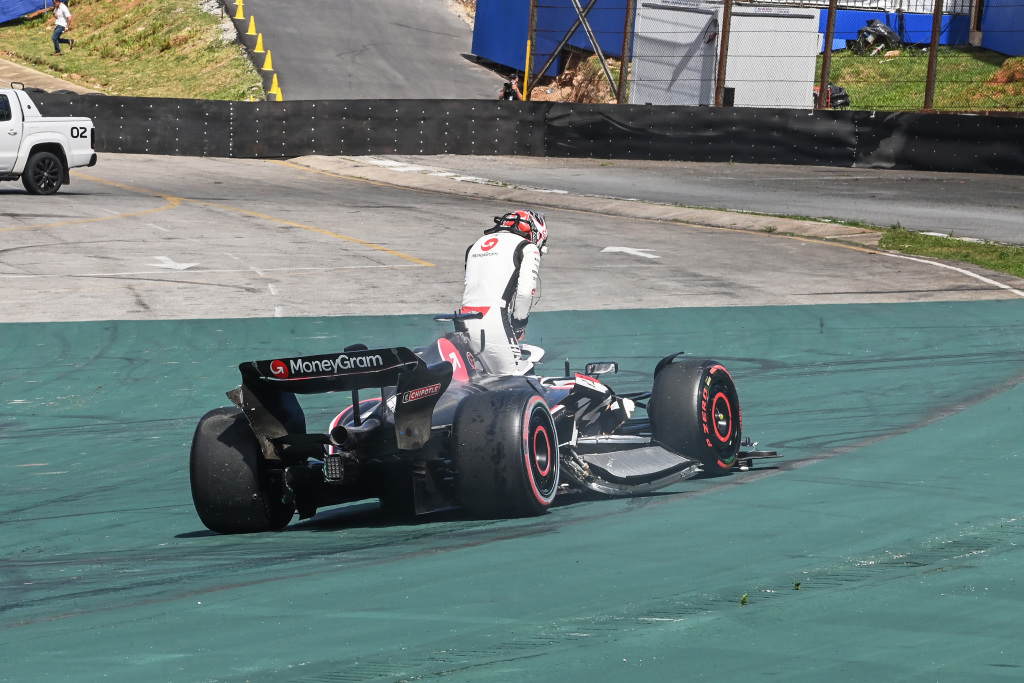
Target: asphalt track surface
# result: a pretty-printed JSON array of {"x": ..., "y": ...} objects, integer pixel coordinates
[
  {"x": 885, "y": 546},
  {"x": 981, "y": 206},
  {"x": 384, "y": 49},
  {"x": 148, "y": 237}
]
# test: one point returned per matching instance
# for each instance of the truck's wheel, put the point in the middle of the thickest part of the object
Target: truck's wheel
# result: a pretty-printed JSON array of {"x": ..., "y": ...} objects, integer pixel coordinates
[
  {"x": 695, "y": 412},
  {"x": 506, "y": 454},
  {"x": 44, "y": 173},
  {"x": 230, "y": 488}
]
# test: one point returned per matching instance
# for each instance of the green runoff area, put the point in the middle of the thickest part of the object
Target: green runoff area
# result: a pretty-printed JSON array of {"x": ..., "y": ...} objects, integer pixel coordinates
[{"x": 887, "y": 545}]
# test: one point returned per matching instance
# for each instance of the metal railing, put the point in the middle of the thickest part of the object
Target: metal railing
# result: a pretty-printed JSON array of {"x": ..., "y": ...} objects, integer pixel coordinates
[{"x": 893, "y": 6}]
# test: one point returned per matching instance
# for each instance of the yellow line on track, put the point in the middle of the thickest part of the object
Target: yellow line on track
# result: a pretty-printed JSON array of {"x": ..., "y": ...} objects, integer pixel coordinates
[
  {"x": 354, "y": 240},
  {"x": 173, "y": 201},
  {"x": 124, "y": 187},
  {"x": 357, "y": 179}
]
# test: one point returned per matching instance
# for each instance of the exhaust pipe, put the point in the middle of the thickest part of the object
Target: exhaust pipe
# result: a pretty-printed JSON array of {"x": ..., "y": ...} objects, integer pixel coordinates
[{"x": 348, "y": 438}]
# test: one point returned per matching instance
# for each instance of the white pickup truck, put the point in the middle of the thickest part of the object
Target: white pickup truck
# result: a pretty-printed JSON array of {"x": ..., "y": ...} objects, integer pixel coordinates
[{"x": 39, "y": 149}]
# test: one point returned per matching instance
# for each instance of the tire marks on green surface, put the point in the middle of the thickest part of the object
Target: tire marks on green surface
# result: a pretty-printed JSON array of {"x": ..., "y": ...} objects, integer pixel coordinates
[{"x": 901, "y": 428}]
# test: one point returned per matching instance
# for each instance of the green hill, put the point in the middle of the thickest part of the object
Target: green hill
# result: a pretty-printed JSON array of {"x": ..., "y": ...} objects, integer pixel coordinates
[{"x": 157, "y": 48}]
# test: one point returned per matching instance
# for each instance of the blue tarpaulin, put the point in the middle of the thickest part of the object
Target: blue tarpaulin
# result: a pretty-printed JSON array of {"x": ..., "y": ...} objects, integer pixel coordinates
[
  {"x": 499, "y": 34},
  {"x": 913, "y": 28},
  {"x": 12, "y": 9},
  {"x": 1002, "y": 26},
  {"x": 500, "y": 30},
  {"x": 502, "y": 25}
]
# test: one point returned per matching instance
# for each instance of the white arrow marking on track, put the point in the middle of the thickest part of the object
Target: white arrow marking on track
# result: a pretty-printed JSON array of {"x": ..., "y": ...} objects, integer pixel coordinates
[
  {"x": 168, "y": 263},
  {"x": 630, "y": 250}
]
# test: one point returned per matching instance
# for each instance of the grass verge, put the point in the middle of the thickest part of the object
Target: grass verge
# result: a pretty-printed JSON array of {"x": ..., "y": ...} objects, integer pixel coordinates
[
  {"x": 1000, "y": 258},
  {"x": 966, "y": 79},
  {"x": 156, "y": 48},
  {"x": 997, "y": 257}
]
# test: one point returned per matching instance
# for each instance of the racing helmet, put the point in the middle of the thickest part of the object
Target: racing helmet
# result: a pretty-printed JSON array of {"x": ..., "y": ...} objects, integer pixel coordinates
[{"x": 527, "y": 224}]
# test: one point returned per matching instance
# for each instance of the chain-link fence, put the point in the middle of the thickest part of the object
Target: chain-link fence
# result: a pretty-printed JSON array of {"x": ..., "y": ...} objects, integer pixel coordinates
[{"x": 886, "y": 55}]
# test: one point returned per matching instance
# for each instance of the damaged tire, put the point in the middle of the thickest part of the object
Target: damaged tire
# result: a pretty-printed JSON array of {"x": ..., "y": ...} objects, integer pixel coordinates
[{"x": 231, "y": 489}]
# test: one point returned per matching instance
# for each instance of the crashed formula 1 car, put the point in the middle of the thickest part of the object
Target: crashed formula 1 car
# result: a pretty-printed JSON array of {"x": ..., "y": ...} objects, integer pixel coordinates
[{"x": 445, "y": 433}]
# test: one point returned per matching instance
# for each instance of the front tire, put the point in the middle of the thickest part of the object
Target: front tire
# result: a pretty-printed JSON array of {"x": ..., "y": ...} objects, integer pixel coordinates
[
  {"x": 44, "y": 173},
  {"x": 506, "y": 454},
  {"x": 230, "y": 487},
  {"x": 695, "y": 412}
]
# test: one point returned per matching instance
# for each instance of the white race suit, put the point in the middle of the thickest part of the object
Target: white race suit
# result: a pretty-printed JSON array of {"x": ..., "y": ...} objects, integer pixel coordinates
[{"x": 503, "y": 283}]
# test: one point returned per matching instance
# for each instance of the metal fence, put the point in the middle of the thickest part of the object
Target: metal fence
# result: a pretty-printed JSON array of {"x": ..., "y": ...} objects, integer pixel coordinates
[
  {"x": 878, "y": 55},
  {"x": 892, "y": 6}
]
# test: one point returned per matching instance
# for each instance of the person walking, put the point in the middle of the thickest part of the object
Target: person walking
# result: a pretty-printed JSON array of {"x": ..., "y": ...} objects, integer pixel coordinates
[{"x": 62, "y": 16}]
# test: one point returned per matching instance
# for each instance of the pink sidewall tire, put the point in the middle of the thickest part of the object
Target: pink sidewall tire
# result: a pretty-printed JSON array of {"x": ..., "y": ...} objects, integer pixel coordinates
[
  {"x": 506, "y": 454},
  {"x": 695, "y": 412}
]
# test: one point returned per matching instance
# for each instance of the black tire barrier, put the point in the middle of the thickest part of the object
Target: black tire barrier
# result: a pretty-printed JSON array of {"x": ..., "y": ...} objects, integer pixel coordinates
[{"x": 896, "y": 140}]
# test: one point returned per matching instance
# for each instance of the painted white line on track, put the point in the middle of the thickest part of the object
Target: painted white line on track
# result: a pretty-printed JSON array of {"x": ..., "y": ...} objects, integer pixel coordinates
[
  {"x": 157, "y": 227},
  {"x": 273, "y": 289},
  {"x": 962, "y": 271},
  {"x": 395, "y": 165},
  {"x": 278, "y": 311},
  {"x": 203, "y": 272},
  {"x": 173, "y": 265},
  {"x": 631, "y": 251},
  {"x": 975, "y": 240},
  {"x": 440, "y": 173},
  {"x": 232, "y": 256}
]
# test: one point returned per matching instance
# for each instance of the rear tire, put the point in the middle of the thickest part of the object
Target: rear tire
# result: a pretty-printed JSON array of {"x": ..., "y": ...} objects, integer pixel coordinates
[
  {"x": 44, "y": 173},
  {"x": 230, "y": 487},
  {"x": 506, "y": 454},
  {"x": 695, "y": 412}
]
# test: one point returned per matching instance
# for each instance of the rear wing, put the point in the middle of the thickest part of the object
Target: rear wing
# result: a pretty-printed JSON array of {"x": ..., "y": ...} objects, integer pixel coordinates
[
  {"x": 344, "y": 371},
  {"x": 268, "y": 389}
]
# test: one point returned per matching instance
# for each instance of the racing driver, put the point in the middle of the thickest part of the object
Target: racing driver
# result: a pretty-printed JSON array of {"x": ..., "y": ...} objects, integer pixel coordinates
[{"x": 503, "y": 283}]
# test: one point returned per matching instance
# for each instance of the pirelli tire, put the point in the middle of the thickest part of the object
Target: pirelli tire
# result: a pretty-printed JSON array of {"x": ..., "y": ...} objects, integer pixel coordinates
[
  {"x": 695, "y": 412},
  {"x": 43, "y": 174},
  {"x": 505, "y": 453},
  {"x": 230, "y": 487}
]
